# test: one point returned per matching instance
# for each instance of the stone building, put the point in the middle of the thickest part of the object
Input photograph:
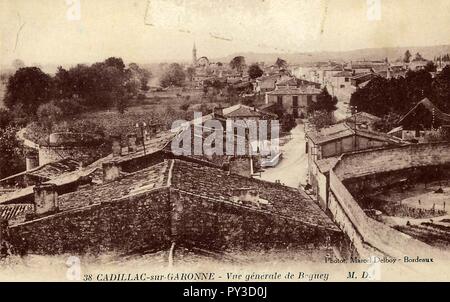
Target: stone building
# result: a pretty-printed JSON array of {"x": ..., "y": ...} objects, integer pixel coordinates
[{"x": 295, "y": 101}]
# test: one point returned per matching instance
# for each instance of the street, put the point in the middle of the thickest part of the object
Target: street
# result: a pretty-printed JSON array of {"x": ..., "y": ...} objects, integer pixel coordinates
[{"x": 292, "y": 169}]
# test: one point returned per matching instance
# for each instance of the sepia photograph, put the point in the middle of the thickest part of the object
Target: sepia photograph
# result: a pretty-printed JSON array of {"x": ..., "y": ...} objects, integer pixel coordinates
[{"x": 224, "y": 141}]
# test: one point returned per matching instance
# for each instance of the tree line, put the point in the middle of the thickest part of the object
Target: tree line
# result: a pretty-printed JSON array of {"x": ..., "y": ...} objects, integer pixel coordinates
[
  {"x": 101, "y": 85},
  {"x": 396, "y": 96}
]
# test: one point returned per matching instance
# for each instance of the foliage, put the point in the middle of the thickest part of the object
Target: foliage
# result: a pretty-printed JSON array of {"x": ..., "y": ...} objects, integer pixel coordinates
[
  {"x": 101, "y": 85},
  {"x": 441, "y": 90},
  {"x": 254, "y": 71},
  {"x": 287, "y": 122},
  {"x": 418, "y": 57},
  {"x": 49, "y": 114},
  {"x": 407, "y": 56},
  {"x": 281, "y": 63},
  {"x": 238, "y": 63},
  {"x": 12, "y": 159},
  {"x": 190, "y": 73},
  {"x": 173, "y": 76},
  {"x": 387, "y": 122},
  {"x": 29, "y": 87},
  {"x": 5, "y": 118},
  {"x": 430, "y": 67},
  {"x": 382, "y": 96},
  {"x": 325, "y": 102},
  {"x": 321, "y": 118}
]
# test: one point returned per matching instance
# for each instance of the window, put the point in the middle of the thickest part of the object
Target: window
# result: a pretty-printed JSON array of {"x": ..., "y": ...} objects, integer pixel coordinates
[
  {"x": 342, "y": 86},
  {"x": 347, "y": 79},
  {"x": 295, "y": 101},
  {"x": 309, "y": 99},
  {"x": 280, "y": 100}
]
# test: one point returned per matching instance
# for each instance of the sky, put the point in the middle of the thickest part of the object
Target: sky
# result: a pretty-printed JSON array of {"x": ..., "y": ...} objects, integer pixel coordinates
[{"x": 145, "y": 31}]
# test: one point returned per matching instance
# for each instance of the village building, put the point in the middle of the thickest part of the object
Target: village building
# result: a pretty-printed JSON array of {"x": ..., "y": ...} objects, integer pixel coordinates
[
  {"x": 295, "y": 101},
  {"x": 171, "y": 203},
  {"x": 422, "y": 120},
  {"x": 326, "y": 145}
]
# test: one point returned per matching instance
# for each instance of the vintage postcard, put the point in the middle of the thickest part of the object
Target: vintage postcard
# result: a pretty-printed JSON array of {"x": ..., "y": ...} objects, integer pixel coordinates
[{"x": 224, "y": 141}]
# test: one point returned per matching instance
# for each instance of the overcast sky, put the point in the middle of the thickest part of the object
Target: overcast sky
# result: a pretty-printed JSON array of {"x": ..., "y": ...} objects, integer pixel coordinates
[{"x": 54, "y": 31}]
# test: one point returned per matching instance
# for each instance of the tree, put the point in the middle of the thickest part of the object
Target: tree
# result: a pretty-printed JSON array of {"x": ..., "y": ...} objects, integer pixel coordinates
[
  {"x": 325, "y": 102},
  {"x": 115, "y": 62},
  {"x": 440, "y": 90},
  {"x": 190, "y": 72},
  {"x": 407, "y": 57},
  {"x": 254, "y": 71},
  {"x": 418, "y": 57},
  {"x": 281, "y": 63},
  {"x": 48, "y": 115},
  {"x": 387, "y": 122},
  {"x": 12, "y": 159},
  {"x": 238, "y": 63},
  {"x": 30, "y": 87},
  {"x": 321, "y": 118},
  {"x": 5, "y": 118},
  {"x": 174, "y": 76},
  {"x": 139, "y": 77},
  {"x": 430, "y": 67}
]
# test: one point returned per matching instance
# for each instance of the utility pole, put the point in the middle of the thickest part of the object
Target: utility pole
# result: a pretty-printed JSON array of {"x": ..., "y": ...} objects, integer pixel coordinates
[
  {"x": 142, "y": 126},
  {"x": 354, "y": 110}
]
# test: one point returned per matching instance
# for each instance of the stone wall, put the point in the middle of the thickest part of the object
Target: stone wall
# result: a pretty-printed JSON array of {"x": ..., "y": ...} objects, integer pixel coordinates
[
  {"x": 359, "y": 164},
  {"x": 127, "y": 225},
  {"x": 220, "y": 225},
  {"x": 153, "y": 220},
  {"x": 370, "y": 236},
  {"x": 85, "y": 154}
]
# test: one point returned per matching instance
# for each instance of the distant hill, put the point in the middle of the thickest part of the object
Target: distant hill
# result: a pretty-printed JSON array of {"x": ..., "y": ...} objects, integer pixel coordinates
[{"x": 392, "y": 53}]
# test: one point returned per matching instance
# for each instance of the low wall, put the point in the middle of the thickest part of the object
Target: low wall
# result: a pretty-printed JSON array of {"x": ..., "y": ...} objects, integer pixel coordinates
[
  {"x": 358, "y": 164},
  {"x": 368, "y": 235},
  {"x": 85, "y": 154}
]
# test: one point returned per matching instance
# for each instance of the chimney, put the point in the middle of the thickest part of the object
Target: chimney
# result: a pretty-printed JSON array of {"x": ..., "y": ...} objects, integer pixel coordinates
[
  {"x": 241, "y": 165},
  {"x": 31, "y": 160},
  {"x": 132, "y": 143},
  {"x": 111, "y": 170},
  {"x": 218, "y": 111},
  {"x": 45, "y": 198},
  {"x": 116, "y": 146}
]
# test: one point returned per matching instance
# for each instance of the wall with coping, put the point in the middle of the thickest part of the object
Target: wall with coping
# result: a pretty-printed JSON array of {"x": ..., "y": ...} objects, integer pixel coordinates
[{"x": 363, "y": 231}]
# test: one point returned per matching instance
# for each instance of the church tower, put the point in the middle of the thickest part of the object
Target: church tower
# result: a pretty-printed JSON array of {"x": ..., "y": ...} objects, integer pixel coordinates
[{"x": 194, "y": 55}]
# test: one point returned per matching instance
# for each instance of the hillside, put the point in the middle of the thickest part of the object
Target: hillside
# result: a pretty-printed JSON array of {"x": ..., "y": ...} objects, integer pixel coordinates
[{"x": 392, "y": 53}]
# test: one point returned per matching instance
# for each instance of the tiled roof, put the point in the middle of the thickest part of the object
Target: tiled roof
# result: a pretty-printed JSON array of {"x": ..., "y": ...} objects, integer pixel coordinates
[
  {"x": 326, "y": 164},
  {"x": 144, "y": 180},
  {"x": 243, "y": 111},
  {"x": 63, "y": 179},
  {"x": 295, "y": 91},
  {"x": 362, "y": 117},
  {"x": 44, "y": 173},
  {"x": 216, "y": 184},
  {"x": 428, "y": 105},
  {"x": 9, "y": 212},
  {"x": 341, "y": 130},
  {"x": 345, "y": 73},
  {"x": 55, "y": 169}
]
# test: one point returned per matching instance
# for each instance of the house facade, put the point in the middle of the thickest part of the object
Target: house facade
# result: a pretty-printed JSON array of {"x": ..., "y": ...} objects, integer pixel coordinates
[{"x": 295, "y": 101}]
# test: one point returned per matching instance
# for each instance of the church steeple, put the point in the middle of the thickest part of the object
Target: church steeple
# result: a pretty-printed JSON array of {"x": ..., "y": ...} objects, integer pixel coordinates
[{"x": 194, "y": 55}]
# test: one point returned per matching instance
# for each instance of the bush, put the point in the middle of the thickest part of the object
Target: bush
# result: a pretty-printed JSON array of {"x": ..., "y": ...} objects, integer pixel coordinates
[{"x": 70, "y": 107}]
